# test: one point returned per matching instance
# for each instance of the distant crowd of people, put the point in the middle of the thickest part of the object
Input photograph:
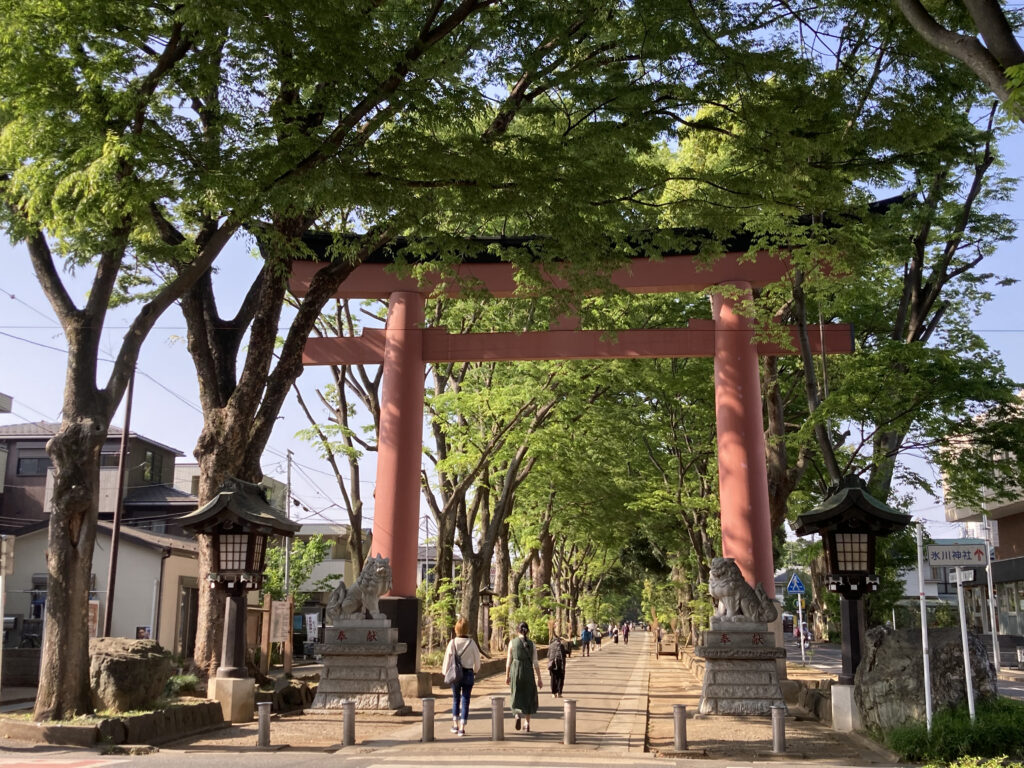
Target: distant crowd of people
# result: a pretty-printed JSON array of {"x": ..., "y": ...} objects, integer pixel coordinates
[{"x": 591, "y": 635}]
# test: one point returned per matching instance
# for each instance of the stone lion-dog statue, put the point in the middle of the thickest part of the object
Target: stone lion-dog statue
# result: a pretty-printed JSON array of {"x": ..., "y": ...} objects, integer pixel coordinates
[
  {"x": 737, "y": 600},
  {"x": 362, "y": 599}
]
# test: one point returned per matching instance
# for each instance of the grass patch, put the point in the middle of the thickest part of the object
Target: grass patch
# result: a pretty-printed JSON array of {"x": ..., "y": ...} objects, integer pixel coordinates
[
  {"x": 432, "y": 660},
  {"x": 182, "y": 685},
  {"x": 996, "y": 736}
]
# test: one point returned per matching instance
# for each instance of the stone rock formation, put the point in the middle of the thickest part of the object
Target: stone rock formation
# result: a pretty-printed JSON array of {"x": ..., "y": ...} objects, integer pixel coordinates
[
  {"x": 127, "y": 674},
  {"x": 889, "y": 685}
]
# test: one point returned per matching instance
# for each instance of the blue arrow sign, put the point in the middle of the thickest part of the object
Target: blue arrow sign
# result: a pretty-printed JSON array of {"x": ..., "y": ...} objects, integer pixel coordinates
[{"x": 795, "y": 586}]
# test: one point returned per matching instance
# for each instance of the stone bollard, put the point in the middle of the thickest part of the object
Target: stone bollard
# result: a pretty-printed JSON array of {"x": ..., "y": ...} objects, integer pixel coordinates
[
  {"x": 263, "y": 735},
  {"x": 679, "y": 714},
  {"x": 348, "y": 713},
  {"x": 428, "y": 719},
  {"x": 569, "y": 708},
  {"x": 778, "y": 729},
  {"x": 497, "y": 718}
]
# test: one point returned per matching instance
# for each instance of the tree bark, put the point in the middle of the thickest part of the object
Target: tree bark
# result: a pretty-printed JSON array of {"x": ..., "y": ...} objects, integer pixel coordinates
[{"x": 64, "y": 668}]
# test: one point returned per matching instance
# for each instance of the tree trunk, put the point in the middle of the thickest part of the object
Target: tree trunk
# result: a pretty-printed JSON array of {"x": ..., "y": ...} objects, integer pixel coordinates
[{"x": 64, "y": 690}]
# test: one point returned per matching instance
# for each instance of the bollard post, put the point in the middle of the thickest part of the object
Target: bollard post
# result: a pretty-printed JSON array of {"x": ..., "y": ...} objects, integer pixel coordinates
[
  {"x": 569, "y": 736},
  {"x": 778, "y": 729},
  {"x": 679, "y": 714},
  {"x": 497, "y": 718},
  {"x": 428, "y": 719},
  {"x": 263, "y": 735},
  {"x": 348, "y": 713}
]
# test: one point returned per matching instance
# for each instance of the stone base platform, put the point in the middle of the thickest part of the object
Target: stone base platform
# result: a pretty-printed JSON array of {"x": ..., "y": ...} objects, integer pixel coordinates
[
  {"x": 360, "y": 658},
  {"x": 740, "y": 675}
]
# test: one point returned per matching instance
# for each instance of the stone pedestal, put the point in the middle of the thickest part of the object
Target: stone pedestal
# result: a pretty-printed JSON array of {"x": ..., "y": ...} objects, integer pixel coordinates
[
  {"x": 236, "y": 696},
  {"x": 360, "y": 658},
  {"x": 845, "y": 712},
  {"x": 740, "y": 673}
]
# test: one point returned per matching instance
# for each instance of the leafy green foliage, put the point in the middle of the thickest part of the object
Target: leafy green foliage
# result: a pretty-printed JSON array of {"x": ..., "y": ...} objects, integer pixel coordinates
[
  {"x": 440, "y": 605},
  {"x": 996, "y": 732},
  {"x": 182, "y": 685},
  {"x": 306, "y": 554}
]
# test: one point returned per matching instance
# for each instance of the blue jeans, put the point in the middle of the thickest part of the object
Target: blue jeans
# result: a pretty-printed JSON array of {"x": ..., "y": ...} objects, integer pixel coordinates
[{"x": 460, "y": 693}]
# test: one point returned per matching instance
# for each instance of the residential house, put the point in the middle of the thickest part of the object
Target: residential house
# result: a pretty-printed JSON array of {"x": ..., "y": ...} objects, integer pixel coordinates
[
  {"x": 156, "y": 587},
  {"x": 426, "y": 564},
  {"x": 149, "y": 499}
]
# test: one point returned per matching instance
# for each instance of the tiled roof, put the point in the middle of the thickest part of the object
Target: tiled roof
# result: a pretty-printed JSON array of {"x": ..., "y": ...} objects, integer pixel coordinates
[
  {"x": 41, "y": 429},
  {"x": 161, "y": 540},
  {"x": 138, "y": 535},
  {"x": 159, "y": 494}
]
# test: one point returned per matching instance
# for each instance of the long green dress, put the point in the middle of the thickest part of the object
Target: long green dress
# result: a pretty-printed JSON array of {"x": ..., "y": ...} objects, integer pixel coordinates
[{"x": 521, "y": 674}]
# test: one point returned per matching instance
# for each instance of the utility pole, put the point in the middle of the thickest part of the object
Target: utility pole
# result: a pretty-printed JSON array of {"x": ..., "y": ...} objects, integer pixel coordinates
[
  {"x": 122, "y": 464},
  {"x": 991, "y": 594},
  {"x": 288, "y": 514},
  {"x": 288, "y": 650}
]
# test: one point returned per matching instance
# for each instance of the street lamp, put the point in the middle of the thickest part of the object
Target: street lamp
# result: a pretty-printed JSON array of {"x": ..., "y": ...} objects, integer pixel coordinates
[
  {"x": 239, "y": 522},
  {"x": 849, "y": 521}
]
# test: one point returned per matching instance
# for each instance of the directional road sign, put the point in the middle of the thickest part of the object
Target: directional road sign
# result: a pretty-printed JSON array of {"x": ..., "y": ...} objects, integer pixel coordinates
[
  {"x": 795, "y": 586},
  {"x": 964, "y": 553}
]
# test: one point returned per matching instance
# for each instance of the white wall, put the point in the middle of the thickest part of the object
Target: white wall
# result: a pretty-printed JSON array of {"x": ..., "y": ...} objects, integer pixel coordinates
[{"x": 138, "y": 569}]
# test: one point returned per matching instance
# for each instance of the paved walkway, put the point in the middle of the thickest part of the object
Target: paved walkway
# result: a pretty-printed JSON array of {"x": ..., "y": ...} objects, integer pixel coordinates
[{"x": 624, "y": 699}]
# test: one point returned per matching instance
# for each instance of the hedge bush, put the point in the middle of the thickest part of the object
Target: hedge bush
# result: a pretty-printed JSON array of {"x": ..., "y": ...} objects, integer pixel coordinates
[{"x": 998, "y": 732}]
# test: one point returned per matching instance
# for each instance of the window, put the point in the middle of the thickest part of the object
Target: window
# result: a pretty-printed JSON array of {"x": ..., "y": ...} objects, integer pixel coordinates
[
  {"x": 110, "y": 459},
  {"x": 33, "y": 467},
  {"x": 152, "y": 467}
]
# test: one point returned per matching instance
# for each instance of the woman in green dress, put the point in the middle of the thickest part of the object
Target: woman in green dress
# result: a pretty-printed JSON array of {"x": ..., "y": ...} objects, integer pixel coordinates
[{"x": 520, "y": 667}]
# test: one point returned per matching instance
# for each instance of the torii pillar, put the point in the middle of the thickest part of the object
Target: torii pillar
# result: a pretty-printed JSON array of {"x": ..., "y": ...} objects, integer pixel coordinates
[
  {"x": 396, "y": 511},
  {"x": 742, "y": 481}
]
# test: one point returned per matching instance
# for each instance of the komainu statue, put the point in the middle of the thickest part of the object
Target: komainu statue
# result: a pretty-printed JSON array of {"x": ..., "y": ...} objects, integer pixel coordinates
[
  {"x": 737, "y": 600},
  {"x": 362, "y": 599}
]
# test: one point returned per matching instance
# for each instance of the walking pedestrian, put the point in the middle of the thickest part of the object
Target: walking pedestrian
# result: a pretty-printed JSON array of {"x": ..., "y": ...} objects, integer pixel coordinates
[
  {"x": 625, "y": 633},
  {"x": 558, "y": 654},
  {"x": 463, "y": 647},
  {"x": 597, "y": 639},
  {"x": 519, "y": 670},
  {"x": 586, "y": 638}
]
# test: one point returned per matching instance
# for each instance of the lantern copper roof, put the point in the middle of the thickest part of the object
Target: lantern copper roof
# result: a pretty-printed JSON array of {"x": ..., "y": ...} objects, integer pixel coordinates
[
  {"x": 851, "y": 507},
  {"x": 243, "y": 503}
]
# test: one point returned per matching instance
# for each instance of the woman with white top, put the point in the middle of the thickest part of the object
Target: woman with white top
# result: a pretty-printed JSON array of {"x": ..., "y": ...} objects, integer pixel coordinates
[{"x": 465, "y": 647}]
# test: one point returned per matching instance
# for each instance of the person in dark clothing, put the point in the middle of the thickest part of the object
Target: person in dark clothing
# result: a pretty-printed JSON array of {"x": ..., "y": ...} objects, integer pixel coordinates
[{"x": 558, "y": 653}]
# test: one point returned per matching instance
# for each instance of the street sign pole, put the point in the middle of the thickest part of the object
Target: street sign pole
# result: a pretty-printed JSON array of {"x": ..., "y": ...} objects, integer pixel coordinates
[
  {"x": 800, "y": 618},
  {"x": 963, "y": 637},
  {"x": 796, "y": 587},
  {"x": 924, "y": 627}
]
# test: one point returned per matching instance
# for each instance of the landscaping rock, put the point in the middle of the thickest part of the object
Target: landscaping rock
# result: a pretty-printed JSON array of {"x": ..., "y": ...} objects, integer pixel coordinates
[
  {"x": 890, "y": 679},
  {"x": 127, "y": 674}
]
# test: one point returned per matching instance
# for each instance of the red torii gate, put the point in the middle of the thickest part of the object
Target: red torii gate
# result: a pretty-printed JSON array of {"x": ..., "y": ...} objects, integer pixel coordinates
[{"x": 403, "y": 347}]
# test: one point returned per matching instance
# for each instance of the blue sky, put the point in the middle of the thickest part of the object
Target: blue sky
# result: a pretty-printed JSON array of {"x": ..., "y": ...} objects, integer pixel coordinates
[{"x": 167, "y": 402}]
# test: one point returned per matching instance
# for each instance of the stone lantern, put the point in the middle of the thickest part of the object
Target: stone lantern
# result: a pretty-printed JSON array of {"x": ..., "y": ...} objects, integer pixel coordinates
[
  {"x": 849, "y": 521},
  {"x": 239, "y": 522}
]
